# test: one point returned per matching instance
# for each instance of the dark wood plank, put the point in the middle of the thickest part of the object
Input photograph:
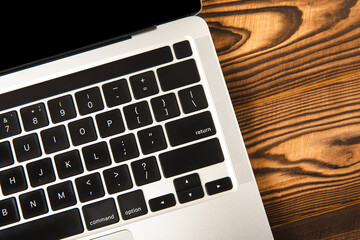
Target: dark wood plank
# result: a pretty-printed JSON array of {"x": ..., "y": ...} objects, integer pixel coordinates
[
  {"x": 293, "y": 72},
  {"x": 339, "y": 224}
]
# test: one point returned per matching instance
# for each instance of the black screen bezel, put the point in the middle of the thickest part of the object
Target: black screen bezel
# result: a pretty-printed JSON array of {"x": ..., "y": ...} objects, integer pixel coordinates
[{"x": 20, "y": 47}]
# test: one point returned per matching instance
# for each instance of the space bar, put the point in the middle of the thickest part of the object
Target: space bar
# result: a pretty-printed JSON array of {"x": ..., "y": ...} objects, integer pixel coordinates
[{"x": 57, "y": 226}]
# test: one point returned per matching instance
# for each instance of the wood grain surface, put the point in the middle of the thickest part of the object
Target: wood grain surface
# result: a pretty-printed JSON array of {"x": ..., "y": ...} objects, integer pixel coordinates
[{"x": 293, "y": 71}]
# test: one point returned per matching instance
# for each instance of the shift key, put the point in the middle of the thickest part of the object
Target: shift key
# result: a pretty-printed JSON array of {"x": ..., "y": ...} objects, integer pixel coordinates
[{"x": 190, "y": 128}]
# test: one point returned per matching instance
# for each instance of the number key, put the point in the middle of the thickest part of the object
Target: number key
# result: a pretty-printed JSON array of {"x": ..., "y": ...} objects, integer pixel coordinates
[
  {"x": 9, "y": 124},
  {"x": 89, "y": 101},
  {"x": 61, "y": 109},
  {"x": 34, "y": 117}
]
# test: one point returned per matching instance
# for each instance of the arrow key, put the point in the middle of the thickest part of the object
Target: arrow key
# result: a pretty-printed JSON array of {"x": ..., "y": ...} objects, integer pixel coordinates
[
  {"x": 218, "y": 186},
  {"x": 187, "y": 182},
  {"x": 162, "y": 202},
  {"x": 190, "y": 195}
]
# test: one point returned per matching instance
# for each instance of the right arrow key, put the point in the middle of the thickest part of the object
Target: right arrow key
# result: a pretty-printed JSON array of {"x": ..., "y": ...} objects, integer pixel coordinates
[{"x": 218, "y": 186}]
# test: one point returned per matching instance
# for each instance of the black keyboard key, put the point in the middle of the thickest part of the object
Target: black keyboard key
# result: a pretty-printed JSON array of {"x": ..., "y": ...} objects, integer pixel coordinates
[
  {"x": 89, "y": 187},
  {"x": 191, "y": 194},
  {"x": 96, "y": 156},
  {"x": 137, "y": 115},
  {"x": 117, "y": 179},
  {"x": 82, "y": 131},
  {"x": 27, "y": 147},
  {"x": 132, "y": 204},
  {"x": 192, "y": 157},
  {"x": 40, "y": 172},
  {"x": 8, "y": 212},
  {"x": 145, "y": 171},
  {"x": 61, "y": 109},
  {"x": 13, "y": 180},
  {"x": 100, "y": 214},
  {"x": 188, "y": 188},
  {"x": 33, "y": 204},
  {"x": 61, "y": 195},
  {"x": 144, "y": 85},
  {"x": 58, "y": 226},
  {"x": 152, "y": 140},
  {"x": 110, "y": 123},
  {"x": 193, "y": 99},
  {"x": 182, "y": 49},
  {"x": 6, "y": 156},
  {"x": 68, "y": 164},
  {"x": 178, "y": 75},
  {"x": 54, "y": 139},
  {"x": 89, "y": 101},
  {"x": 124, "y": 148},
  {"x": 116, "y": 93},
  {"x": 165, "y": 107},
  {"x": 190, "y": 128},
  {"x": 218, "y": 186},
  {"x": 162, "y": 202},
  {"x": 187, "y": 182},
  {"x": 34, "y": 117},
  {"x": 9, "y": 124}
]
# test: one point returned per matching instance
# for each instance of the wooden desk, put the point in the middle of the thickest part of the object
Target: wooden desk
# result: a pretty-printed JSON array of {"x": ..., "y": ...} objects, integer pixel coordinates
[{"x": 293, "y": 71}]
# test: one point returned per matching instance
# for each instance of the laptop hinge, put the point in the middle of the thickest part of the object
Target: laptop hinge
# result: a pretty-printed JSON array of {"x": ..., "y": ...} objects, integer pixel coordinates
[{"x": 144, "y": 30}]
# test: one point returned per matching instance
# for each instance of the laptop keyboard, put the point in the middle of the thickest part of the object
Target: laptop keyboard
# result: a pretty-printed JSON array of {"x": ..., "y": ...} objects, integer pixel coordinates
[{"x": 79, "y": 160}]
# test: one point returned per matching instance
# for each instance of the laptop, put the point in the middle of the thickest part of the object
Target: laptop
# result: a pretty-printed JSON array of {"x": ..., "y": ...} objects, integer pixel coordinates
[{"x": 116, "y": 123}]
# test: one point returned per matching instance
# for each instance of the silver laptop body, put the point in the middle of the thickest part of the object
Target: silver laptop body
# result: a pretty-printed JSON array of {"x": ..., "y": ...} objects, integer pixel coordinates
[{"x": 226, "y": 203}]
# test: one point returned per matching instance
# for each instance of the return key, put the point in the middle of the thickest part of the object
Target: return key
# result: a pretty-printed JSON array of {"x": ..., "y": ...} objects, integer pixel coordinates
[{"x": 190, "y": 128}]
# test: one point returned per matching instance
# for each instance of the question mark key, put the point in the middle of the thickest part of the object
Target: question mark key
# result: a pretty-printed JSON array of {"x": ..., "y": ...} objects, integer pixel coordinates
[{"x": 145, "y": 171}]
